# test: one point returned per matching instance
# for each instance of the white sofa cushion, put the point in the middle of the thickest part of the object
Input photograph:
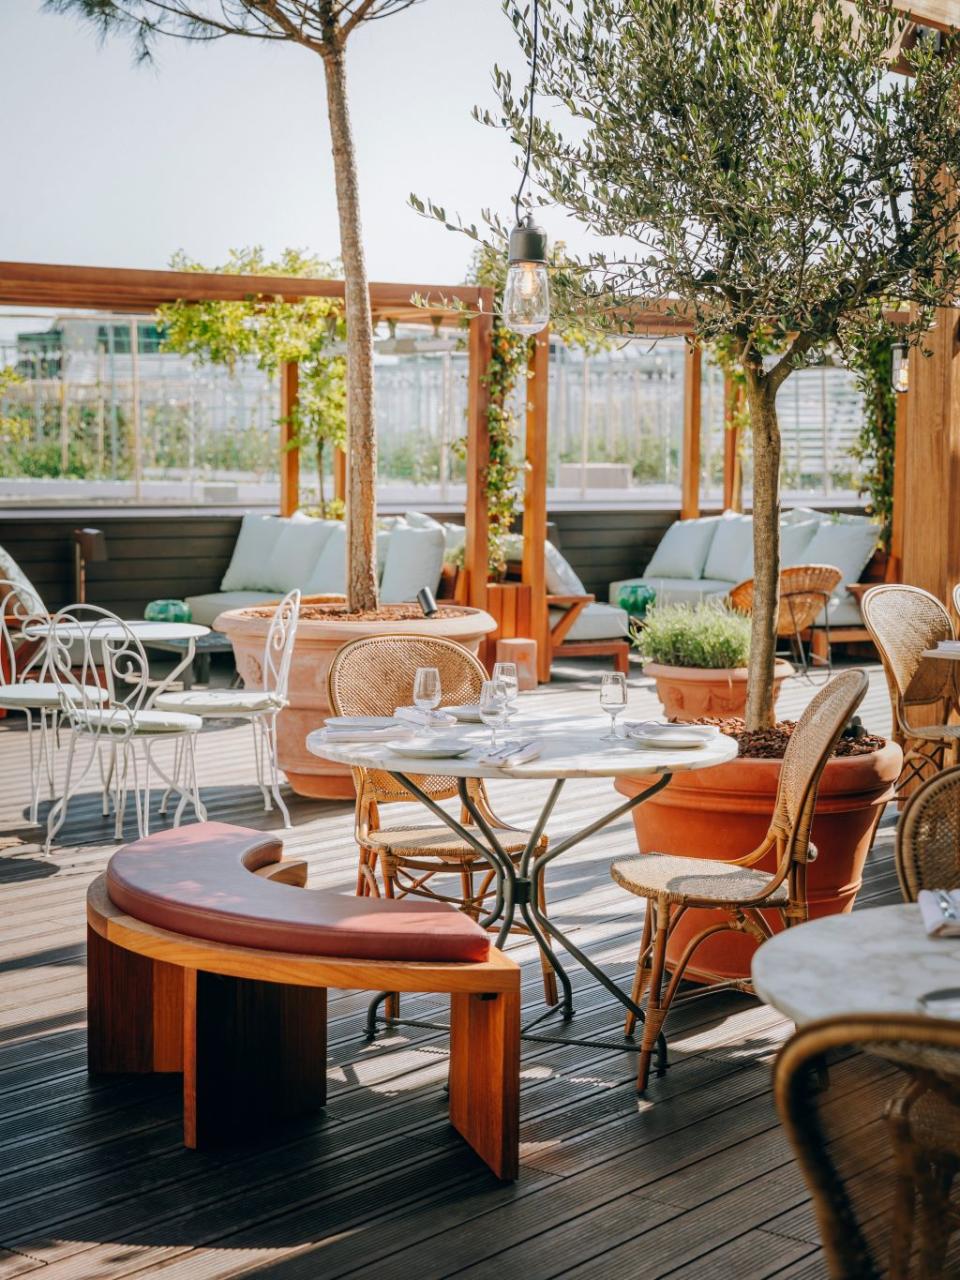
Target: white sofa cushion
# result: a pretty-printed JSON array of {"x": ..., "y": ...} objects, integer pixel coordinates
[
  {"x": 297, "y": 551},
  {"x": 414, "y": 559},
  {"x": 596, "y": 622},
  {"x": 330, "y": 570},
  {"x": 848, "y": 546},
  {"x": 560, "y": 577},
  {"x": 795, "y": 538},
  {"x": 26, "y": 592},
  {"x": 675, "y": 590},
  {"x": 204, "y": 609},
  {"x": 683, "y": 549},
  {"x": 732, "y": 543},
  {"x": 249, "y": 564},
  {"x": 842, "y": 610}
]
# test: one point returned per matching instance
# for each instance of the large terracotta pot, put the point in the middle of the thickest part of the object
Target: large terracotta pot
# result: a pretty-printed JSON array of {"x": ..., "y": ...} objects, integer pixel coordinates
[
  {"x": 688, "y": 693},
  {"x": 725, "y": 812},
  {"x": 318, "y": 639}
]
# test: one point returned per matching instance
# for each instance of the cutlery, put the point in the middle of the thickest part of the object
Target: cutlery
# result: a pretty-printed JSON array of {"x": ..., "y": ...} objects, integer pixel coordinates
[{"x": 946, "y": 906}]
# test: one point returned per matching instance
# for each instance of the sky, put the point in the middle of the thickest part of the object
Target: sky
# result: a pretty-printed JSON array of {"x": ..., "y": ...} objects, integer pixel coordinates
[{"x": 220, "y": 146}]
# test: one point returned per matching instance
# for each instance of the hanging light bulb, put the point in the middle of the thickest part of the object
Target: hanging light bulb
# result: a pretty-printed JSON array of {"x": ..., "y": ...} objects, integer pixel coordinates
[
  {"x": 900, "y": 367},
  {"x": 526, "y": 295}
]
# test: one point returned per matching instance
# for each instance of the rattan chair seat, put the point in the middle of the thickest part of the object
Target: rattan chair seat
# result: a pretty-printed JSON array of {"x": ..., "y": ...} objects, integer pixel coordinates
[
  {"x": 686, "y": 880},
  {"x": 441, "y": 842}
]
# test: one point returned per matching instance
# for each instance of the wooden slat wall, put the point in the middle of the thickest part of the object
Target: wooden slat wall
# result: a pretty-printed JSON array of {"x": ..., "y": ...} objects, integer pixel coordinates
[{"x": 150, "y": 556}]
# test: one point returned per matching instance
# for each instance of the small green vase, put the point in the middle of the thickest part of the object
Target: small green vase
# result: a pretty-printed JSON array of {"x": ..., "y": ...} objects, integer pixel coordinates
[{"x": 167, "y": 611}]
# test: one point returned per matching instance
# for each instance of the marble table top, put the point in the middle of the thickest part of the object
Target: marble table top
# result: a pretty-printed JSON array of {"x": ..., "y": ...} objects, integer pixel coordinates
[
  {"x": 571, "y": 749},
  {"x": 879, "y": 960}
]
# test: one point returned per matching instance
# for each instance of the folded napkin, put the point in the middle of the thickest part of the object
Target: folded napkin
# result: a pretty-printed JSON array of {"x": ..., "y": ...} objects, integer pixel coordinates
[
  {"x": 936, "y": 916},
  {"x": 509, "y": 754},
  {"x": 425, "y": 719}
]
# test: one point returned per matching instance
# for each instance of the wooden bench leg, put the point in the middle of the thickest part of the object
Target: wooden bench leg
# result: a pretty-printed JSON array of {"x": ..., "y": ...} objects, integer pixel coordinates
[
  {"x": 134, "y": 1010},
  {"x": 485, "y": 1077},
  {"x": 254, "y": 1053}
]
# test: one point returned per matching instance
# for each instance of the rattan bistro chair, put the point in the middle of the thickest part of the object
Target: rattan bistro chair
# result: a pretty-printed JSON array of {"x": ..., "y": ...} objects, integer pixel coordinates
[
  {"x": 903, "y": 622},
  {"x": 373, "y": 676},
  {"x": 928, "y": 836},
  {"x": 737, "y": 890},
  {"x": 877, "y": 1138},
  {"x": 805, "y": 592}
]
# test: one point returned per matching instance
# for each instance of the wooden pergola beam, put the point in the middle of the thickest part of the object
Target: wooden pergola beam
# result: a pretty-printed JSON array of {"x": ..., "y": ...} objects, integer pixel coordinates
[
  {"x": 535, "y": 496},
  {"x": 476, "y": 550},
  {"x": 690, "y": 446}
]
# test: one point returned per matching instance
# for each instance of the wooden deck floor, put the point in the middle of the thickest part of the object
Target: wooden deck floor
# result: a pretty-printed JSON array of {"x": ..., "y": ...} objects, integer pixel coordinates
[{"x": 94, "y": 1182}]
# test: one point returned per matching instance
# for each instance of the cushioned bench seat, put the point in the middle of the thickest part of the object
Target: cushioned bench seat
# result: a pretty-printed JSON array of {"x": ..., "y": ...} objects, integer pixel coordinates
[
  {"x": 197, "y": 880},
  {"x": 207, "y": 957}
]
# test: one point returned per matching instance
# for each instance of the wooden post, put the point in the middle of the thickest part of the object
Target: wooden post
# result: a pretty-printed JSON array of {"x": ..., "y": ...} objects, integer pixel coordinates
[
  {"x": 340, "y": 475},
  {"x": 535, "y": 496},
  {"x": 690, "y": 449},
  {"x": 895, "y": 562},
  {"x": 478, "y": 454},
  {"x": 289, "y": 457},
  {"x": 930, "y": 458},
  {"x": 732, "y": 470}
]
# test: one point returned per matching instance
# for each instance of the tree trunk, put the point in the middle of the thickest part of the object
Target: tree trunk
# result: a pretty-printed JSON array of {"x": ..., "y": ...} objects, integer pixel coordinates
[
  {"x": 361, "y": 425},
  {"x": 765, "y": 430}
]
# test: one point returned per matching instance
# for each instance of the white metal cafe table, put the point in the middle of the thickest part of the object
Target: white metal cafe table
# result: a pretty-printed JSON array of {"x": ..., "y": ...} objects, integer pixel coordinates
[
  {"x": 568, "y": 750},
  {"x": 101, "y": 631},
  {"x": 878, "y": 960}
]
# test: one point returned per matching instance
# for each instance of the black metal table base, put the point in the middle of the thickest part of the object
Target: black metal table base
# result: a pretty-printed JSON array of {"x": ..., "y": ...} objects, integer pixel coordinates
[{"x": 518, "y": 889}]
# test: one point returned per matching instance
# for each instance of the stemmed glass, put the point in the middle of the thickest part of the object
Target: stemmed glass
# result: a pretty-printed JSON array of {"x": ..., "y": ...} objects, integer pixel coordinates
[
  {"x": 493, "y": 707},
  {"x": 506, "y": 673},
  {"x": 426, "y": 690},
  {"x": 613, "y": 698}
]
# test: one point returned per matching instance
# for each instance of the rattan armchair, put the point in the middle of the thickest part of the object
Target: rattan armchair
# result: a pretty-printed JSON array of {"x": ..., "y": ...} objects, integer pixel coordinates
[
  {"x": 736, "y": 891},
  {"x": 375, "y": 675},
  {"x": 879, "y": 1145},
  {"x": 805, "y": 592},
  {"x": 903, "y": 622},
  {"x": 928, "y": 836}
]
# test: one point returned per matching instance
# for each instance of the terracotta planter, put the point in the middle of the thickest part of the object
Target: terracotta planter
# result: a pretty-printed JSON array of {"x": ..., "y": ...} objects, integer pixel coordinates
[
  {"x": 724, "y": 813},
  {"x": 687, "y": 693},
  {"x": 318, "y": 639}
]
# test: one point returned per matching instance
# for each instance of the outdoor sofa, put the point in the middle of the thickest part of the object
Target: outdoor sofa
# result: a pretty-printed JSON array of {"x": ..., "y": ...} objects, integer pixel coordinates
[{"x": 703, "y": 559}]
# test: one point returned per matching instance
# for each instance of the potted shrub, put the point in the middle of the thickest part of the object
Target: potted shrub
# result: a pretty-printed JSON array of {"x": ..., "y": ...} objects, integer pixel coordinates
[
  {"x": 698, "y": 656},
  {"x": 725, "y": 812}
]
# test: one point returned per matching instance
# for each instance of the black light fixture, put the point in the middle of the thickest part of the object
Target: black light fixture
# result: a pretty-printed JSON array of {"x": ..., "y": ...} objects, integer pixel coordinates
[
  {"x": 526, "y": 296},
  {"x": 427, "y": 602},
  {"x": 900, "y": 367}
]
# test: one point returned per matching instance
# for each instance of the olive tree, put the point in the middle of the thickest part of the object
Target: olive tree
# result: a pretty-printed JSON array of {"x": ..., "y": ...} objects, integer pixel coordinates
[
  {"x": 756, "y": 167},
  {"x": 323, "y": 27}
]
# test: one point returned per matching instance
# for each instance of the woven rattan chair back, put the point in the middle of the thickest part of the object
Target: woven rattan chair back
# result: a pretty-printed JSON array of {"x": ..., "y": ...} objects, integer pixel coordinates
[
  {"x": 812, "y": 742},
  {"x": 804, "y": 591},
  {"x": 871, "y": 1106},
  {"x": 928, "y": 836},
  {"x": 903, "y": 621},
  {"x": 374, "y": 676}
]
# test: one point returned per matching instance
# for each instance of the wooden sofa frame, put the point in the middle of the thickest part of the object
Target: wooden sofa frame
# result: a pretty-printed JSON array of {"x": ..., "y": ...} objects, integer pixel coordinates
[{"x": 247, "y": 1028}]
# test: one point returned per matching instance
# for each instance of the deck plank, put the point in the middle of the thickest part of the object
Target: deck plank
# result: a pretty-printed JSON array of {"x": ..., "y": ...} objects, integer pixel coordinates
[{"x": 95, "y": 1185}]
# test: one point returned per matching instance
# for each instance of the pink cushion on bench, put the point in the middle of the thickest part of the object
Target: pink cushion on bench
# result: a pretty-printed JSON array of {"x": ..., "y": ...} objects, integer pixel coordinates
[{"x": 198, "y": 880}]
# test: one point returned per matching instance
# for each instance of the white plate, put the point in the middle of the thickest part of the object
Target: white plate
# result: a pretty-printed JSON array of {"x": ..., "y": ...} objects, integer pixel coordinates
[
  {"x": 675, "y": 737},
  {"x": 360, "y": 722},
  {"x": 430, "y": 748},
  {"x": 467, "y": 714}
]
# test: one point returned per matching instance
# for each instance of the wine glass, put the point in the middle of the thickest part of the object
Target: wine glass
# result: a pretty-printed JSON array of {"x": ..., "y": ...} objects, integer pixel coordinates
[
  {"x": 506, "y": 673},
  {"x": 493, "y": 707},
  {"x": 613, "y": 698},
  {"x": 426, "y": 690}
]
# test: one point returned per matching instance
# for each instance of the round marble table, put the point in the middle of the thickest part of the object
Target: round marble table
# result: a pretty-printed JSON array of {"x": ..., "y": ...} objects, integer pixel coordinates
[
  {"x": 879, "y": 960},
  {"x": 577, "y": 749}
]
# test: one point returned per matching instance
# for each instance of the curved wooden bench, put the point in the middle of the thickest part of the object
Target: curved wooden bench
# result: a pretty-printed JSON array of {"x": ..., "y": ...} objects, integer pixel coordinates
[{"x": 174, "y": 985}]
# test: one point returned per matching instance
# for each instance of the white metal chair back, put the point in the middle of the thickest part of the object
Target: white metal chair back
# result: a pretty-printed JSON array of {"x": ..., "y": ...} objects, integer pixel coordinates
[
  {"x": 87, "y": 647},
  {"x": 20, "y": 614},
  {"x": 278, "y": 650}
]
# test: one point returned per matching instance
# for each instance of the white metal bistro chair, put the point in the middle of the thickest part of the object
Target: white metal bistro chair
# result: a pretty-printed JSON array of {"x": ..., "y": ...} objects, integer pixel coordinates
[
  {"x": 25, "y": 681},
  {"x": 258, "y": 706},
  {"x": 122, "y": 730}
]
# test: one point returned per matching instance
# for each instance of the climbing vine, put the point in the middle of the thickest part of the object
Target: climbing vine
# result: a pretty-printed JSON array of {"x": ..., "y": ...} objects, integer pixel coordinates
[{"x": 871, "y": 361}]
